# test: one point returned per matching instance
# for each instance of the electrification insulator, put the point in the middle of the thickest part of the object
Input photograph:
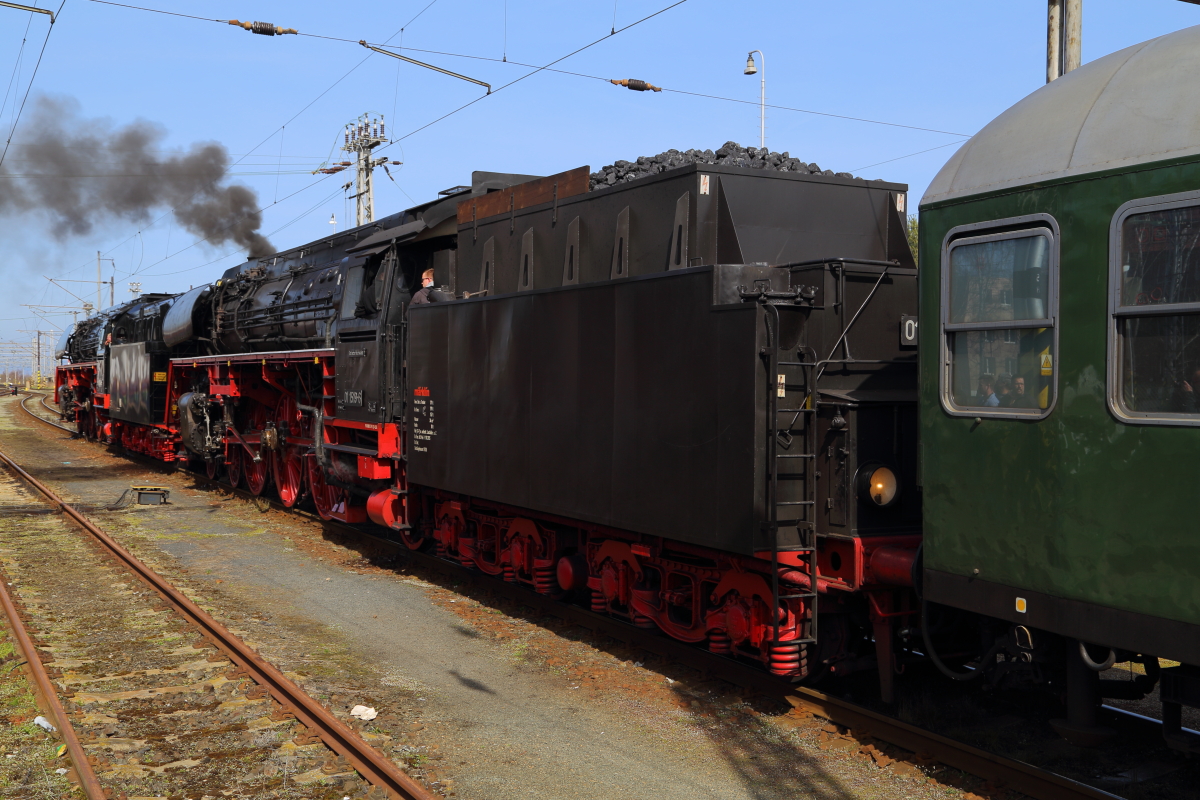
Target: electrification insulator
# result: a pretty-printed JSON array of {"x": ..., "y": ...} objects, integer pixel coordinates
[
  {"x": 263, "y": 28},
  {"x": 345, "y": 163},
  {"x": 637, "y": 86},
  {"x": 347, "y": 136},
  {"x": 382, "y": 128}
]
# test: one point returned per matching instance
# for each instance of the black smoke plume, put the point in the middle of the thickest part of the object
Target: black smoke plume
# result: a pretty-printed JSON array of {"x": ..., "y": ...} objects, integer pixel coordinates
[{"x": 82, "y": 171}]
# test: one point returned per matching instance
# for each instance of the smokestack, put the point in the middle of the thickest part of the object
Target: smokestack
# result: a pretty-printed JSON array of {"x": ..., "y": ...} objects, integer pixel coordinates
[{"x": 83, "y": 171}]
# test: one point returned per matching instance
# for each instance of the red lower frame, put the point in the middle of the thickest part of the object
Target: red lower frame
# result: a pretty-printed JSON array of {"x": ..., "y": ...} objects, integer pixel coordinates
[
  {"x": 694, "y": 594},
  {"x": 720, "y": 600}
]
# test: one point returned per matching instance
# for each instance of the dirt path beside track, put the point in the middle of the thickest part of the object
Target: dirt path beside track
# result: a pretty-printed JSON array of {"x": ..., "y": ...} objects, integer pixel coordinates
[{"x": 477, "y": 702}]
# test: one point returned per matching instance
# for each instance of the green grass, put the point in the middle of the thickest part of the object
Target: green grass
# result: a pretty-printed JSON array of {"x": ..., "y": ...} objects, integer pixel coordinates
[{"x": 30, "y": 772}]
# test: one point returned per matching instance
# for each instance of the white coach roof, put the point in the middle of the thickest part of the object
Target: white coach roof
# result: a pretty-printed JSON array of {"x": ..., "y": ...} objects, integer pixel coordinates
[{"x": 1137, "y": 105}]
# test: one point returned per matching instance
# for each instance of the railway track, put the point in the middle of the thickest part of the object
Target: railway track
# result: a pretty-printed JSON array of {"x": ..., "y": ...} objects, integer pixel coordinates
[
  {"x": 150, "y": 693},
  {"x": 866, "y": 723}
]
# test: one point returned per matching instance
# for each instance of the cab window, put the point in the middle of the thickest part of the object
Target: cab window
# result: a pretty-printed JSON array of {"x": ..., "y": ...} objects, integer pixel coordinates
[
  {"x": 999, "y": 336},
  {"x": 1154, "y": 366}
]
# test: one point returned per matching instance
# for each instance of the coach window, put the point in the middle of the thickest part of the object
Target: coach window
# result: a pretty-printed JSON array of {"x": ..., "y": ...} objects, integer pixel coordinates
[
  {"x": 1154, "y": 351},
  {"x": 999, "y": 306}
]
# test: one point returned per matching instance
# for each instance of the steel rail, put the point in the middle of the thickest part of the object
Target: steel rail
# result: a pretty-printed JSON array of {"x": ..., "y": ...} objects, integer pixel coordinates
[
  {"x": 376, "y": 768},
  {"x": 25, "y": 408},
  {"x": 1023, "y": 777},
  {"x": 45, "y": 688},
  {"x": 1026, "y": 778}
]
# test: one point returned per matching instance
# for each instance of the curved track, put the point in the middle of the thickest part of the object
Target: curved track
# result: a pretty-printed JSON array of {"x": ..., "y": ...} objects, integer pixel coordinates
[
  {"x": 47, "y": 407},
  {"x": 321, "y": 724},
  {"x": 1015, "y": 775}
]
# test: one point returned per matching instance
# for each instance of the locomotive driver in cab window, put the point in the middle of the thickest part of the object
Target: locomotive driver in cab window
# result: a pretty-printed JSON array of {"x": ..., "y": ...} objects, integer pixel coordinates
[{"x": 422, "y": 295}]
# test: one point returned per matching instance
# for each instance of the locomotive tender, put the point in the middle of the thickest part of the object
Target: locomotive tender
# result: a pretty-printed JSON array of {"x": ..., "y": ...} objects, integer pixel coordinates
[{"x": 693, "y": 400}]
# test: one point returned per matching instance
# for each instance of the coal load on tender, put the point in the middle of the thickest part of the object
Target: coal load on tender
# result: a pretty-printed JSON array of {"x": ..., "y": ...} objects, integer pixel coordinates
[{"x": 730, "y": 154}]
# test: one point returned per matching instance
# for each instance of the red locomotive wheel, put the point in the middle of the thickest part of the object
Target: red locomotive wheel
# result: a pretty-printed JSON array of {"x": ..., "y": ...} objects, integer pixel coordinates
[
  {"x": 287, "y": 463},
  {"x": 414, "y": 539},
  {"x": 288, "y": 468},
  {"x": 328, "y": 499},
  {"x": 258, "y": 473},
  {"x": 212, "y": 468},
  {"x": 233, "y": 467}
]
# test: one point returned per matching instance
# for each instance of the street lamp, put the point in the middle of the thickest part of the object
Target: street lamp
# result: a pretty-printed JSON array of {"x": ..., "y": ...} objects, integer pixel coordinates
[{"x": 762, "y": 102}]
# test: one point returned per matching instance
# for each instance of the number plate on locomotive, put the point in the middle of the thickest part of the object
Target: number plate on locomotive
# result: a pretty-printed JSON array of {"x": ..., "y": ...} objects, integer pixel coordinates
[{"x": 352, "y": 398}]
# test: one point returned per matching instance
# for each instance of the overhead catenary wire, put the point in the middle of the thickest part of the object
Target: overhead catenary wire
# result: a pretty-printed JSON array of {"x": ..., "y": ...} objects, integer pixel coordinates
[
  {"x": 40, "y": 175},
  {"x": 236, "y": 251},
  {"x": 910, "y": 155},
  {"x": 695, "y": 94},
  {"x": 444, "y": 116},
  {"x": 332, "y": 86},
  {"x": 29, "y": 88},
  {"x": 12, "y": 80},
  {"x": 535, "y": 69},
  {"x": 547, "y": 68},
  {"x": 543, "y": 68},
  {"x": 222, "y": 230},
  {"x": 260, "y": 144}
]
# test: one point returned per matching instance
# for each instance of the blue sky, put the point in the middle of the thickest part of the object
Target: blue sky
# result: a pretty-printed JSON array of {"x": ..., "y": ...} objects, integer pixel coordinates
[{"x": 947, "y": 66}]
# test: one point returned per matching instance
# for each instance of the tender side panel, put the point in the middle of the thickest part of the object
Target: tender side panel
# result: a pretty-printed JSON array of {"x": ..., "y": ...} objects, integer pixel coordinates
[
  {"x": 137, "y": 383},
  {"x": 631, "y": 404}
]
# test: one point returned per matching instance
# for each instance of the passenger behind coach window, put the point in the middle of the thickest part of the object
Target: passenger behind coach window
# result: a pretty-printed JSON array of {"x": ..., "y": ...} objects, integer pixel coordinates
[
  {"x": 1004, "y": 391},
  {"x": 1188, "y": 402},
  {"x": 1020, "y": 399},
  {"x": 986, "y": 396}
]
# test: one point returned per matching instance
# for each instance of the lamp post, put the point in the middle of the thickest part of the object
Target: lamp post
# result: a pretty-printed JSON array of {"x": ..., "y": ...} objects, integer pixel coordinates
[{"x": 751, "y": 69}]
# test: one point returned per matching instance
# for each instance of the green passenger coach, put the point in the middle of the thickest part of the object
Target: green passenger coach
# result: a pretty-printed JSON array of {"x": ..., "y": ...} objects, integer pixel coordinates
[{"x": 1060, "y": 373}]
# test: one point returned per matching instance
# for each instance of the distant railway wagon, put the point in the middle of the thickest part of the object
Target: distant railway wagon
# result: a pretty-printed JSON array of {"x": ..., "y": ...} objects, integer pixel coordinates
[
  {"x": 1060, "y": 308},
  {"x": 694, "y": 396}
]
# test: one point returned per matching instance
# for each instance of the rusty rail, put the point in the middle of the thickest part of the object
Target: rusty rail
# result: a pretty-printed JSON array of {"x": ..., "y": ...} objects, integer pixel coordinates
[
  {"x": 1025, "y": 778},
  {"x": 45, "y": 687},
  {"x": 25, "y": 408},
  {"x": 1022, "y": 777},
  {"x": 339, "y": 737}
]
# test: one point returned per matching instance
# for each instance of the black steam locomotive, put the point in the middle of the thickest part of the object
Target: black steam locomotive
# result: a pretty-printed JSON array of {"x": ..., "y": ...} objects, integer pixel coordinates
[{"x": 686, "y": 400}]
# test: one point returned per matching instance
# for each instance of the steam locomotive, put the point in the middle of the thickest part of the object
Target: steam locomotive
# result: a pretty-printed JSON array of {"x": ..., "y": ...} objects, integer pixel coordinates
[
  {"x": 617, "y": 399},
  {"x": 693, "y": 400}
]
